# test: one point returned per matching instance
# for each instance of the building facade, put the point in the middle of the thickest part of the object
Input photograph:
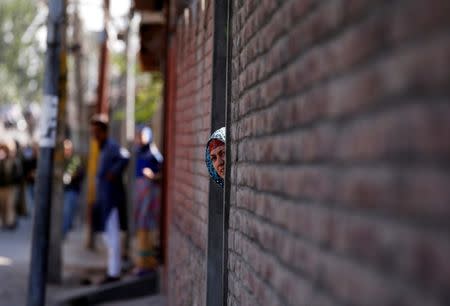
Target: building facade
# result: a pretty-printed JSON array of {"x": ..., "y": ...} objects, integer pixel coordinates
[{"x": 338, "y": 185}]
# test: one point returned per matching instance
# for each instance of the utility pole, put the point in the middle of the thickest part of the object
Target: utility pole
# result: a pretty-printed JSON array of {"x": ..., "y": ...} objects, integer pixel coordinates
[
  {"x": 47, "y": 140},
  {"x": 83, "y": 114},
  {"x": 131, "y": 50},
  {"x": 56, "y": 214},
  {"x": 132, "y": 44},
  {"x": 102, "y": 103},
  {"x": 82, "y": 130},
  {"x": 101, "y": 108}
]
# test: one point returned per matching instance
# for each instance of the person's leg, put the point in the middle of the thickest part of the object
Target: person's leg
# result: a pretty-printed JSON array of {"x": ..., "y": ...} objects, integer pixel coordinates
[
  {"x": 29, "y": 197},
  {"x": 10, "y": 207},
  {"x": 112, "y": 240},
  {"x": 3, "y": 206},
  {"x": 20, "y": 200},
  {"x": 66, "y": 213},
  {"x": 74, "y": 208},
  {"x": 70, "y": 206},
  {"x": 146, "y": 259},
  {"x": 147, "y": 222}
]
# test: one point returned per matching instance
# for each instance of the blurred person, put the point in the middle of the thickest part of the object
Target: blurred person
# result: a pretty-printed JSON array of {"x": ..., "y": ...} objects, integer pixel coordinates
[
  {"x": 72, "y": 180},
  {"x": 215, "y": 156},
  {"x": 147, "y": 201},
  {"x": 9, "y": 172},
  {"x": 19, "y": 181},
  {"x": 31, "y": 115},
  {"x": 110, "y": 194},
  {"x": 16, "y": 178},
  {"x": 29, "y": 164}
]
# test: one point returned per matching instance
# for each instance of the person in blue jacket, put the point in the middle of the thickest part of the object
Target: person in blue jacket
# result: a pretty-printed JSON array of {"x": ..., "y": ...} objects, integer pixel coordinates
[{"x": 110, "y": 194}]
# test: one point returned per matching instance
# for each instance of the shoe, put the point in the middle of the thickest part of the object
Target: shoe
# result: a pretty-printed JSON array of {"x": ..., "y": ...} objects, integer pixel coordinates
[
  {"x": 85, "y": 281},
  {"x": 139, "y": 272},
  {"x": 12, "y": 227},
  {"x": 108, "y": 280},
  {"x": 127, "y": 265}
]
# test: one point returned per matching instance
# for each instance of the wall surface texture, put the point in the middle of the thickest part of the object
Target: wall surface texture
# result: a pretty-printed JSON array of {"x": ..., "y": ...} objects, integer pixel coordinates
[
  {"x": 340, "y": 149},
  {"x": 188, "y": 180}
]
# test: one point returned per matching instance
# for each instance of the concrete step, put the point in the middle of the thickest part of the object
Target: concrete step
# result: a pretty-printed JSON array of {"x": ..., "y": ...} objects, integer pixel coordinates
[
  {"x": 126, "y": 289},
  {"x": 154, "y": 300}
]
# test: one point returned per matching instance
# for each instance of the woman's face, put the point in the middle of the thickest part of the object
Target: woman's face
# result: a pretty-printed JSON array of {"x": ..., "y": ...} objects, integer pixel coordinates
[{"x": 218, "y": 159}]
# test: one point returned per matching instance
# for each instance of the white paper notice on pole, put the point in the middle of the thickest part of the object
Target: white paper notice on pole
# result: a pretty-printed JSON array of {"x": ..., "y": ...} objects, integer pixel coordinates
[{"x": 47, "y": 124}]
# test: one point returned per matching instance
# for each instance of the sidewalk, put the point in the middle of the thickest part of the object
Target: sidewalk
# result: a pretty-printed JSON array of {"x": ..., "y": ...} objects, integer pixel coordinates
[
  {"x": 79, "y": 263},
  {"x": 14, "y": 264}
]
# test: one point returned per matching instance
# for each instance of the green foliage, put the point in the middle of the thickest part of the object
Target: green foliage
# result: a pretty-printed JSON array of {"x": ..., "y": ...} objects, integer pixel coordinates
[
  {"x": 148, "y": 96},
  {"x": 118, "y": 60},
  {"x": 148, "y": 92},
  {"x": 21, "y": 64}
]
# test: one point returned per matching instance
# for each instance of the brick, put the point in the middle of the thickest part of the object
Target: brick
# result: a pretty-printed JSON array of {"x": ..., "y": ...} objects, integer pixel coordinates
[
  {"x": 397, "y": 193},
  {"x": 364, "y": 287},
  {"x": 190, "y": 190},
  {"x": 339, "y": 149},
  {"x": 309, "y": 145},
  {"x": 428, "y": 19},
  {"x": 418, "y": 257},
  {"x": 306, "y": 182},
  {"x": 420, "y": 135}
]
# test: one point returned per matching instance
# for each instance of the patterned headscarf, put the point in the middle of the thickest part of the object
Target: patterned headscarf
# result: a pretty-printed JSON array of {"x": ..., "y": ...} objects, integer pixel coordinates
[{"x": 217, "y": 135}]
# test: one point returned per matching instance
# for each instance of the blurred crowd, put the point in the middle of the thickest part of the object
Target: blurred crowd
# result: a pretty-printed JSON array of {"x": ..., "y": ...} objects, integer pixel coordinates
[
  {"x": 18, "y": 162},
  {"x": 19, "y": 154}
]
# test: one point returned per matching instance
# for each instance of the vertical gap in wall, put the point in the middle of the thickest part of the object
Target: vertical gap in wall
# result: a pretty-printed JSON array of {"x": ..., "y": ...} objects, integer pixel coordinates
[
  {"x": 228, "y": 160},
  {"x": 215, "y": 256}
]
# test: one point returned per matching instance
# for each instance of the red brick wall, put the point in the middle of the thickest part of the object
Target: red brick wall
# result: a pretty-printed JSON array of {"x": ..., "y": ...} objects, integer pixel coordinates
[
  {"x": 188, "y": 181},
  {"x": 340, "y": 149}
]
